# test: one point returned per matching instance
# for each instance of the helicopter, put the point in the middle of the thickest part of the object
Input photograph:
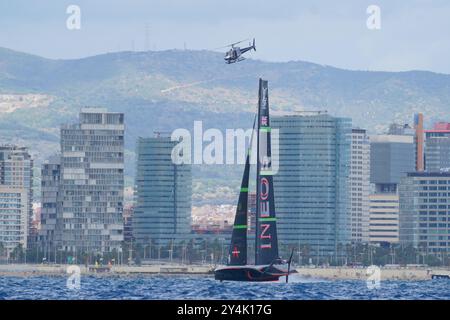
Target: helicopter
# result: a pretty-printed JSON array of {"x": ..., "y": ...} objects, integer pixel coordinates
[{"x": 235, "y": 53}]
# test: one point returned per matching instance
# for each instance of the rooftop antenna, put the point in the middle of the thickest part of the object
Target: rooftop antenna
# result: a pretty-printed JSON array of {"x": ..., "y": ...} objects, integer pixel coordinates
[
  {"x": 159, "y": 134},
  {"x": 313, "y": 112}
]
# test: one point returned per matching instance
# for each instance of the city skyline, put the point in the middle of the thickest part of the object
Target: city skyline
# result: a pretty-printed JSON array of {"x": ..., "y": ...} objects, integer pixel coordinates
[{"x": 239, "y": 151}]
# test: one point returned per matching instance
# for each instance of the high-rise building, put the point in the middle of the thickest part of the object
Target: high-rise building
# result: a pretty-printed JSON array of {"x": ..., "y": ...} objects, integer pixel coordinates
[
  {"x": 311, "y": 185},
  {"x": 425, "y": 211},
  {"x": 359, "y": 185},
  {"x": 50, "y": 202},
  {"x": 13, "y": 217},
  {"x": 384, "y": 218},
  {"x": 128, "y": 223},
  {"x": 163, "y": 192},
  {"x": 16, "y": 195},
  {"x": 392, "y": 156},
  {"x": 88, "y": 185},
  {"x": 419, "y": 142},
  {"x": 437, "y": 148}
]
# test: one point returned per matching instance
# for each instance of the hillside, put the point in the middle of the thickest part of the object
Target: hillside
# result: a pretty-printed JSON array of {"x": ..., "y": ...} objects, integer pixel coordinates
[{"x": 171, "y": 89}]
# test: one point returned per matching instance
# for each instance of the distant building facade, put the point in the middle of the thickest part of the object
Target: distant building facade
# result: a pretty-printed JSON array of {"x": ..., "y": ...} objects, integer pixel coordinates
[
  {"x": 311, "y": 186},
  {"x": 50, "y": 203},
  {"x": 163, "y": 192},
  {"x": 384, "y": 217},
  {"x": 16, "y": 196},
  {"x": 425, "y": 212},
  {"x": 87, "y": 183},
  {"x": 392, "y": 156},
  {"x": 419, "y": 141},
  {"x": 359, "y": 185},
  {"x": 128, "y": 223},
  {"x": 437, "y": 148}
]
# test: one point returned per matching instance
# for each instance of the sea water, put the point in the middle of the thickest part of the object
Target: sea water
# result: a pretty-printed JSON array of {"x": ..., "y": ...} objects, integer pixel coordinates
[{"x": 205, "y": 287}]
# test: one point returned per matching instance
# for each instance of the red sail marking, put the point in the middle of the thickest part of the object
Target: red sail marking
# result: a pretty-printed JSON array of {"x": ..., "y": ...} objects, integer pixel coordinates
[
  {"x": 264, "y": 188},
  {"x": 236, "y": 252},
  {"x": 265, "y": 229},
  {"x": 264, "y": 121}
]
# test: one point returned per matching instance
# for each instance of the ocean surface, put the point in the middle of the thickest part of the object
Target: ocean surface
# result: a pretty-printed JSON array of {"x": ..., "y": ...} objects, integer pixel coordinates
[{"x": 200, "y": 287}]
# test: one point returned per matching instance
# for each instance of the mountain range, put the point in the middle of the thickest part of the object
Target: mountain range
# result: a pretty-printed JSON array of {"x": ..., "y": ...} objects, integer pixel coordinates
[{"x": 165, "y": 90}]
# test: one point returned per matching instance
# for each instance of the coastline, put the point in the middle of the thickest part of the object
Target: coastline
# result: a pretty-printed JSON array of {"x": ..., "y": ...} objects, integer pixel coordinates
[
  {"x": 22, "y": 270},
  {"x": 386, "y": 273},
  {"x": 327, "y": 273}
]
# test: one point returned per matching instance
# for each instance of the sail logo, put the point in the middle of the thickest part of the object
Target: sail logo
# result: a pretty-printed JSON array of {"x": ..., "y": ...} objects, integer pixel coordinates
[
  {"x": 265, "y": 98},
  {"x": 264, "y": 121},
  {"x": 264, "y": 212}
]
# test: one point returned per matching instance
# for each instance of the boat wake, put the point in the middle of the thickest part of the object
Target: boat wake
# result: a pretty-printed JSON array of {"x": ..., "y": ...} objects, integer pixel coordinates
[{"x": 298, "y": 278}]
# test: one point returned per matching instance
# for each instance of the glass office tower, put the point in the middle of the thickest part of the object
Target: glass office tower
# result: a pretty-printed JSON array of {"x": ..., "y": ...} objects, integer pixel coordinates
[
  {"x": 311, "y": 186},
  {"x": 163, "y": 193}
]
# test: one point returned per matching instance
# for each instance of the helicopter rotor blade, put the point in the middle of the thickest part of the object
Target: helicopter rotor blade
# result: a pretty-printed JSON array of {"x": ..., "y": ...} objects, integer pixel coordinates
[
  {"x": 239, "y": 42},
  {"x": 231, "y": 45}
]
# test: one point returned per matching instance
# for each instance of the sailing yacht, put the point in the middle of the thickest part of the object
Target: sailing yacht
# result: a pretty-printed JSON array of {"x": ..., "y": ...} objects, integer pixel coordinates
[{"x": 268, "y": 265}]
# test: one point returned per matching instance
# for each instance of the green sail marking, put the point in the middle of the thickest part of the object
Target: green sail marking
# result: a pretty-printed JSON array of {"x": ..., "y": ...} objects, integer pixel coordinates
[
  {"x": 240, "y": 226},
  {"x": 267, "y": 219},
  {"x": 244, "y": 189},
  {"x": 265, "y": 129}
]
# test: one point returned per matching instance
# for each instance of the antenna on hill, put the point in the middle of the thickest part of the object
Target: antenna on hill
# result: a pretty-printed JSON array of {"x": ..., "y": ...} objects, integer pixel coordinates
[{"x": 147, "y": 37}]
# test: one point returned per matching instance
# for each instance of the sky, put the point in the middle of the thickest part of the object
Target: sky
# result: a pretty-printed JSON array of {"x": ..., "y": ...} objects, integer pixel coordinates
[{"x": 413, "y": 34}]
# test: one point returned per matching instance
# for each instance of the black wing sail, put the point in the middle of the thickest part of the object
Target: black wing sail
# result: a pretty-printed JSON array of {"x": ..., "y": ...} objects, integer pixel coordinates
[
  {"x": 266, "y": 233},
  {"x": 238, "y": 248}
]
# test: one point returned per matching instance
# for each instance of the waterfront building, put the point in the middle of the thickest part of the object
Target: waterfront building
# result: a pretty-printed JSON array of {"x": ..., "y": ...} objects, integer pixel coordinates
[
  {"x": 311, "y": 185},
  {"x": 50, "y": 202},
  {"x": 392, "y": 156},
  {"x": 87, "y": 183},
  {"x": 359, "y": 185},
  {"x": 163, "y": 192},
  {"x": 16, "y": 195},
  {"x": 128, "y": 223},
  {"x": 425, "y": 212},
  {"x": 384, "y": 217}
]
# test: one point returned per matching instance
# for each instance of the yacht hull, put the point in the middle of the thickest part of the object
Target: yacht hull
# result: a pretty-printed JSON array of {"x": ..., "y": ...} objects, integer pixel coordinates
[{"x": 250, "y": 273}]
